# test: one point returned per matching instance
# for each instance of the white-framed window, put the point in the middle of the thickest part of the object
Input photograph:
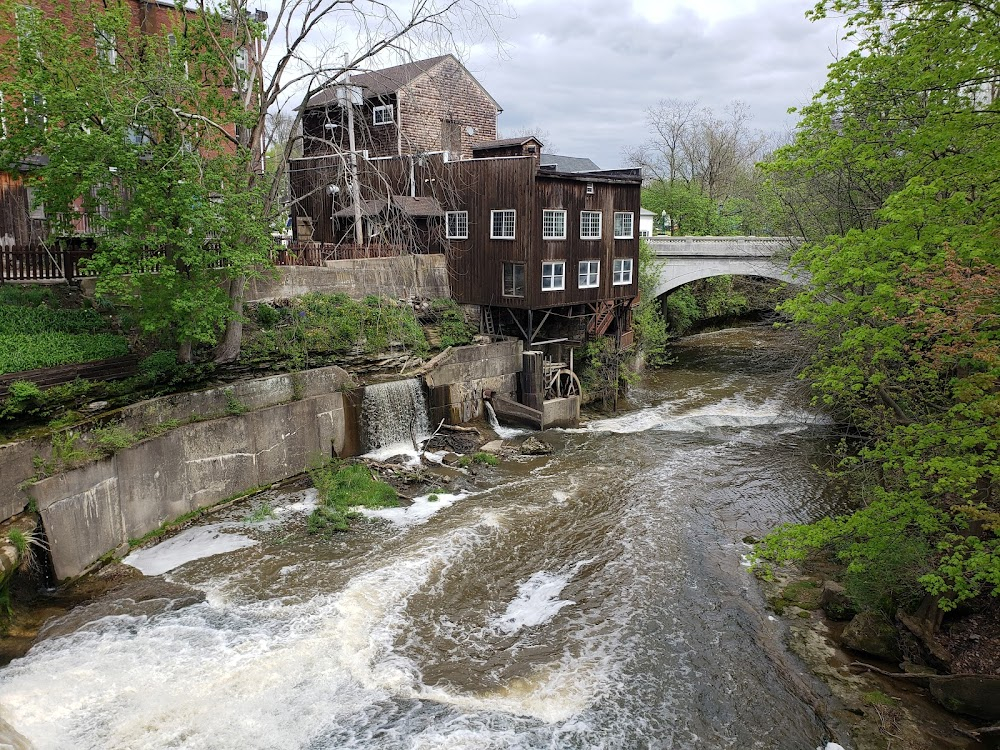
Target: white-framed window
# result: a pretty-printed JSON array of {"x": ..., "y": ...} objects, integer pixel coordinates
[
  {"x": 503, "y": 224},
  {"x": 590, "y": 188},
  {"x": 383, "y": 115},
  {"x": 3, "y": 118},
  {"x": 553, "y": 275},
  {"x": 590, "y": 225},
  {"x": 36, "y": 208},
  {"x": 241, "y": 62},
  {"x": 513, "y": 279},
  {"x": 457, "y": 225},
  {"x": 590, "y": 274},
  {"x": 172, "y": 48},
  {"x": 622, "y": 271},
  {"x": 553, "y": 224},
  {"x": 106, "y": 46},
  {"x": 623, "y": 225}
]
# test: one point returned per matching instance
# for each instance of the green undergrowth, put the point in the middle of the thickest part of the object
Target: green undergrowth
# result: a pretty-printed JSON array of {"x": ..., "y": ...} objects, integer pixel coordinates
[
  {"x": 316, "y": 325},
  {"x": 344, "y": 487},
  {"x": 37, "y": 331}
]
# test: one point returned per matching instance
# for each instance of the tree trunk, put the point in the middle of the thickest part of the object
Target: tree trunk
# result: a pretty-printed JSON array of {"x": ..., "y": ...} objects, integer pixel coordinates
[
  {"x": 185, "y": 352},
  {"x": 228, "y": 350}
]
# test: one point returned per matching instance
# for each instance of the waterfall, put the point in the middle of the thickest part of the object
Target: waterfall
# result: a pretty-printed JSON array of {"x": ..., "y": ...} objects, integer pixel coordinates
[
  {"x": 504, "y": 433},
  {"x": 394, "y": 417}
]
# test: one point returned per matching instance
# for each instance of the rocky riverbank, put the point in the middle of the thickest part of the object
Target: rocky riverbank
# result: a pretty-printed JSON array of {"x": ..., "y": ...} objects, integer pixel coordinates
[{"x": 893, "y": 686}]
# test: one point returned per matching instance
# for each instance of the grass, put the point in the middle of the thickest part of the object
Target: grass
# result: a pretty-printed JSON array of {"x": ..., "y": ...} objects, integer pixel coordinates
[
  {"x": 263, "y": 512},
  {"x": 234, "y": 407},
  {"x": 487, "y": 459},
  {"x": 341, "y": 488}
]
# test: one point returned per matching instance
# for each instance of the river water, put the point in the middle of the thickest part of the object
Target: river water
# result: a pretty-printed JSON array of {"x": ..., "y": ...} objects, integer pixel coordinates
[{"x": 596, "y": 598}]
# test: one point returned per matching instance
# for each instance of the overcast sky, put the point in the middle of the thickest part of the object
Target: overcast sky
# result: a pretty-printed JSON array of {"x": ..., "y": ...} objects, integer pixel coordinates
[{"x": 586, "y": 71}]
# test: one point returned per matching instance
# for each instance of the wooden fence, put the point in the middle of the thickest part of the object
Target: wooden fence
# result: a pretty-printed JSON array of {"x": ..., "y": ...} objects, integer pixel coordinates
[
  {"x": 41, "y": 263},
  {"x": 62, "y": 262},
  {"x": 101, "y": 369}
]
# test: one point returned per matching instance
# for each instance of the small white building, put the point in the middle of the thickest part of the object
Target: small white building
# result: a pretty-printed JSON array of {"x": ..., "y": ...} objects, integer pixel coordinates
[{"x": 646, "y": 219}]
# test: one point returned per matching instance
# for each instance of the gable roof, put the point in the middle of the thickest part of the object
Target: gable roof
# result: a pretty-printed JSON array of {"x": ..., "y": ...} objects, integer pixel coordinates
[
  {"x": 568, "y": 163},
  {"x": 390, "y": 80},
  {"x": 506, "y": 142}
]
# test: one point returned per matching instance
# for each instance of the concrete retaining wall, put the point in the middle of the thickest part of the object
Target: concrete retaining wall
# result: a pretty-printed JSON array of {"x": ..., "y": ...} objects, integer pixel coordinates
[
  {"x": 90, "y": 511},
  {"x": 456, "y": 384},
  {"x": 397, "y": 278}
]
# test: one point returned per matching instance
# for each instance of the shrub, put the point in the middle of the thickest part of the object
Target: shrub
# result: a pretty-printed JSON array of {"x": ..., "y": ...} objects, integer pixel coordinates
[
  {"x": 451, "y": 322},
  {"x": 487, "y": 459},
  {"x": 159, "y": 366},
  {"x": 24, "y": 398}
]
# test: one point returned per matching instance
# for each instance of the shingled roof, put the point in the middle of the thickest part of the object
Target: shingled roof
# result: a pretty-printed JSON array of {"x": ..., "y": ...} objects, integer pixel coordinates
[
  {"x": 391, "y": 80},
  {"x": 568, "y": 163}
]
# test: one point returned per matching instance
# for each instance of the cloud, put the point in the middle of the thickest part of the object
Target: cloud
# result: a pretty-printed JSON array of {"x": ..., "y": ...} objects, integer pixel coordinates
[{"x": 586, "y": 72}]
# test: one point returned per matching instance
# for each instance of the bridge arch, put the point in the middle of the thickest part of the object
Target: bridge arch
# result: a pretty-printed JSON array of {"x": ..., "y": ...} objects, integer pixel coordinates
[{"x": 686, "y": 259}]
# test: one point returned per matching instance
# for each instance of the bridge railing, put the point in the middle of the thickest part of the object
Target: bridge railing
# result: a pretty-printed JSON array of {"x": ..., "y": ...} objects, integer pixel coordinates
[{"x": 766, "y": 247}]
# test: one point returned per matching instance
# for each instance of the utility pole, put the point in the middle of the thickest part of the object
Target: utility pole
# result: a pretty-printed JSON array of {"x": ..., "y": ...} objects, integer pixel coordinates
[{"x": 348, "y": 101}]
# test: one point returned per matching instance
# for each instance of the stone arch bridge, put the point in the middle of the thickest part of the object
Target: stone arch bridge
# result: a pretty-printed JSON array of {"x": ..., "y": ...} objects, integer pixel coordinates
[{"x": 685, "y": 259}]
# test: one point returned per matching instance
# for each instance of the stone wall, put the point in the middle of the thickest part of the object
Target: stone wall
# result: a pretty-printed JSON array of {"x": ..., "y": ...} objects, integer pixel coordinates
[
  {"x": 456, "y": 384},
  {"x": 98, "y": 508},
  {"x": 396, "y": 278}
]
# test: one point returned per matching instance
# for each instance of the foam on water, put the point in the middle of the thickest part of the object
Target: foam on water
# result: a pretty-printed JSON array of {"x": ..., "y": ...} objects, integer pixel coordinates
[
  {"x": 536, "y": 603},
  {"x": 503, "y": 432},
  {"x": 419, "y": 512},
  {"x": 732, "y": 413},
  {"x": 191, "y": 544},
  {"x": 264, "y": 674}
]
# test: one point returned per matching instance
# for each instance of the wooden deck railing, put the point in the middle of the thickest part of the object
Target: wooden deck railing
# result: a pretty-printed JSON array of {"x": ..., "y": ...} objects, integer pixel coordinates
[{"x": 62, "y": 261}]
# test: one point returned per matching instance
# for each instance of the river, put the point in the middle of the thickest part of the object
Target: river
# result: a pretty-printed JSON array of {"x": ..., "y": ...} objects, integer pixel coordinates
[{"x": 596, "y": 598}]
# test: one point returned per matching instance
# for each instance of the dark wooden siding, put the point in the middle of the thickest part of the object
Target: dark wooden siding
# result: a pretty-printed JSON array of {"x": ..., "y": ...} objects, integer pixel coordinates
[
  {"x": 475, "y": 265},
  {"x": 17, "y": 228},
  {"x": 570, "y": 195},
  {"x": 377, "y": 140}
]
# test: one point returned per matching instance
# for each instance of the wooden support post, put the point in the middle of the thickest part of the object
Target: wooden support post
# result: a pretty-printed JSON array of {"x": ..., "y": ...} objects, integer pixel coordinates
[{"x": 532, "y": 380}]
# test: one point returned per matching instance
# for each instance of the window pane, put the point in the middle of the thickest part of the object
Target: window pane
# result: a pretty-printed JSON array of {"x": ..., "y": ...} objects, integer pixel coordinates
[
  {"x": 553, "y": 225},
  {"x": 590, "y": 225},
  {"x": 623, "y": 225},
  {"x": 458, "y": 225},
  {"x": 513, "y": 279},
  {"x": 502, "y": 224},
  {"x": 589, "y": 275},
  {"x": 553, "y": 276}
]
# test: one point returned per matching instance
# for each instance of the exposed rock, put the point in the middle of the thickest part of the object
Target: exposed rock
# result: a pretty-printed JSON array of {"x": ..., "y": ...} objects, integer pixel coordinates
[
  {"x": 802, "y": 594},
  {"x": 454, "y": 442},
  {"x": 969, "y": 694},
  {"x": 450, "y": 459},
  {"x": 535, "y": 447},
  {"x": 96, "y": 406},
  {"x": 494, "y": 446},
  {"x": 927, "y": 648},
  {"x": 870, "y": 633},
  {"x": 835, "y": 602}
]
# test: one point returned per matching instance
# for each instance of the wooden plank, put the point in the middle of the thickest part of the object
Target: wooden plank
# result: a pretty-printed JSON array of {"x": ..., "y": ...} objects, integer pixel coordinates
[{"x": 116, "y": 368}]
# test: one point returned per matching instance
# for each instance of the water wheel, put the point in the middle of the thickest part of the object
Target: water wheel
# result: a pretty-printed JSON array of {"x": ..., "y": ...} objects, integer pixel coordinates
[{"x": 562, "y": 383}]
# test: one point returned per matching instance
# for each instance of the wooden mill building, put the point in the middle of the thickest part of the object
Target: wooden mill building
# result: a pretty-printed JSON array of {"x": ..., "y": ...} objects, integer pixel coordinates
[{"x": 546, "y": 247}]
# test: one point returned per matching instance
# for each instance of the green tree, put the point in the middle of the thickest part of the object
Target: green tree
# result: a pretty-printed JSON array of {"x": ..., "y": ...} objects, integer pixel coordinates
[
  {"x": 904, "y": 257},
  {"x": 129, "y": 130}
]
